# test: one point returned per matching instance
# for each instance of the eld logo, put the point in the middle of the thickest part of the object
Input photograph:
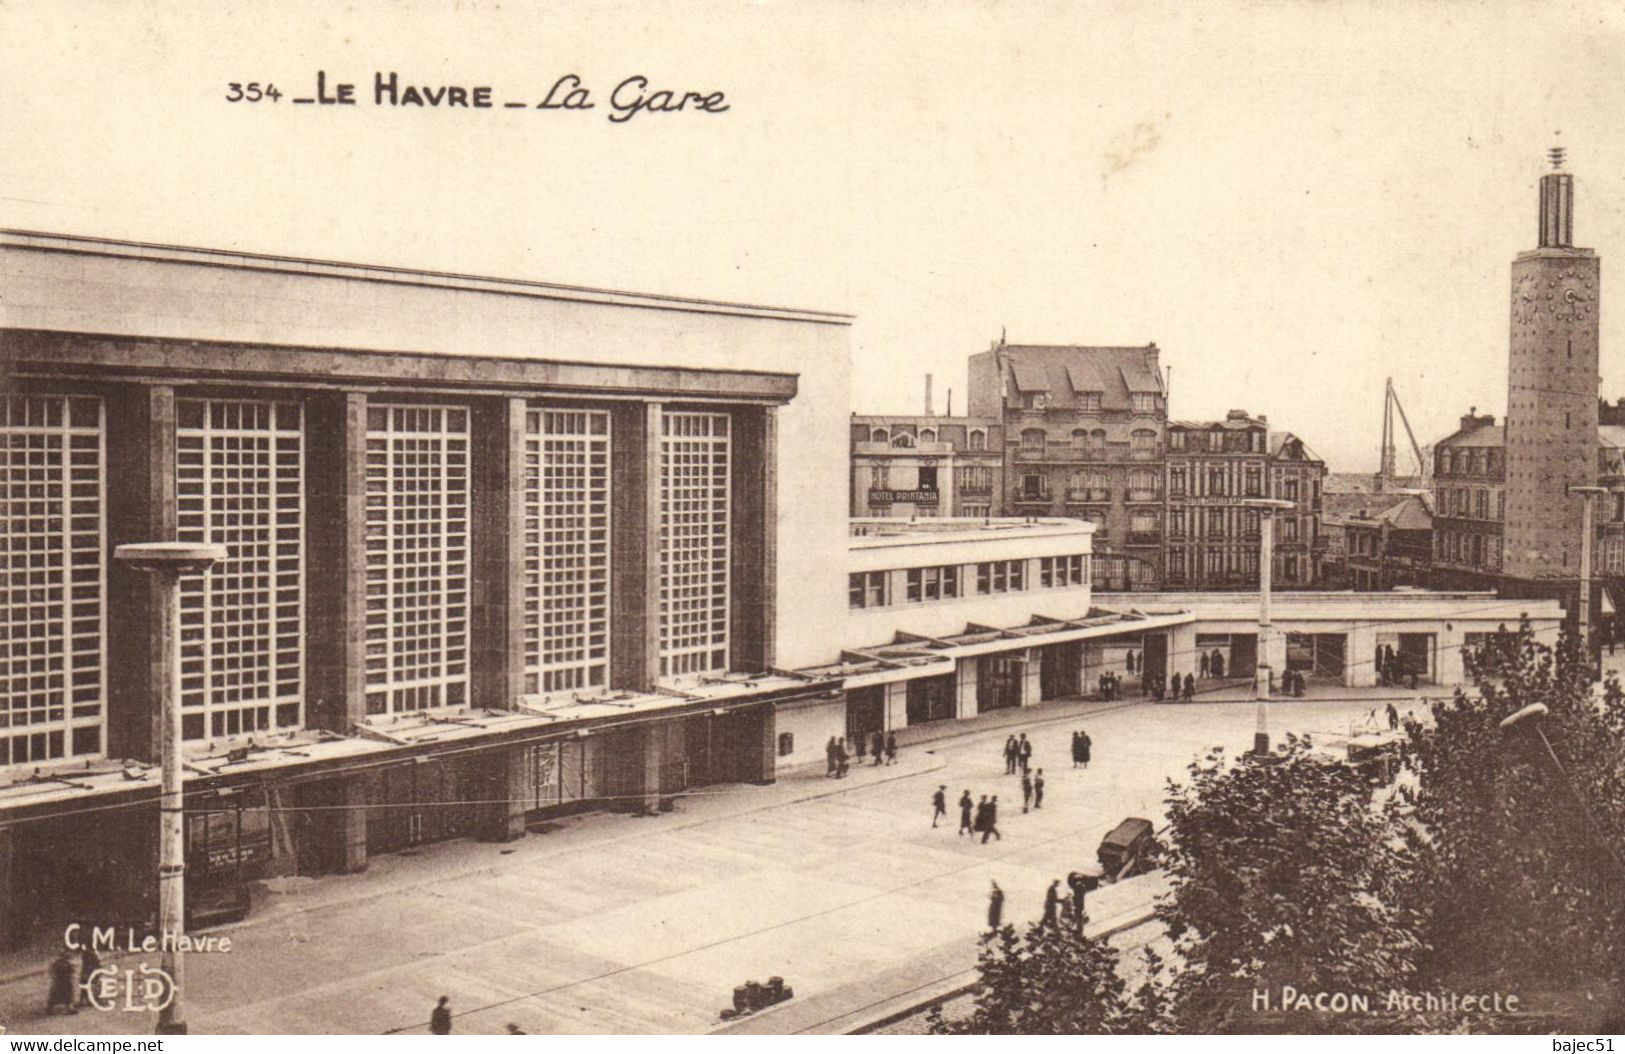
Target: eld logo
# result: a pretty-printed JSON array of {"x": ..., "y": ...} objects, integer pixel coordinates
[{"x": 134, "y": 990}]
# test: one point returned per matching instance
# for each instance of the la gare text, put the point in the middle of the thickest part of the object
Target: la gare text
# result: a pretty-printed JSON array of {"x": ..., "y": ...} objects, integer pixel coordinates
[{"x": 632, "y": 96}]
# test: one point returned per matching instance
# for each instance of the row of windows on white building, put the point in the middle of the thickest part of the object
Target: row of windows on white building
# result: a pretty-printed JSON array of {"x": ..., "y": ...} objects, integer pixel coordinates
[
  {"x": 240, "y": 483},
  {"x": 873, "y": 589}
]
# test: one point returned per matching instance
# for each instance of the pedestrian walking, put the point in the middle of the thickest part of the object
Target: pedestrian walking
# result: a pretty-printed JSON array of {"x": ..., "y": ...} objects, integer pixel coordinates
[
  {"x": 1217, "y": 663},
  {"x": 992, "y": 821},
  {"x": 1010, "y": 754},
  {"x": 979, "y": 827},
  {"x": 939, "y": 805},
  {"x": 1038, "y": 790},
  {"x": 1084, "y": 746},
  {"x": 1026, "y": 750},
  {"x": 995, "y": 908},
  {"x": 965, "y": 807},
  {"x": 1393, "y": 717},
  {"x": 1076, "y": 755},
  {"x": 1052, "y": 903},
  {"x": 1190, "y": 688},
  {"x": 830, "y": 754},
  {"x": 877, "y": 746},
  {"x": 440, "y": 1020},
  {"x": 1203, "y": 665},
  {"x": 1130, "y": 664},
  {"x": 891, "y": 748},
  {"x": 1026, "y": 791},
  {"x": 842, "y": 759},
  {"x": 59, "y": 996}
]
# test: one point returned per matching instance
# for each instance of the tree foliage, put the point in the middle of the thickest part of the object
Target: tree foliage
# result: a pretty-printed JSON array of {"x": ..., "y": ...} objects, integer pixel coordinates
[
  {"x": 1286, "y": 871},
  {"x": 1490, "y": 862},
  {"x": 1517, "y": 842},
  {"x": 1053, "y": 982}
]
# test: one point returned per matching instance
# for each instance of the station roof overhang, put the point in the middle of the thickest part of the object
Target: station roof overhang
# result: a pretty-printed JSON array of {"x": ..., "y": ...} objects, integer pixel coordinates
[
  {"x": 909, "y": 656},
  {"x": 305, "y": 755}
]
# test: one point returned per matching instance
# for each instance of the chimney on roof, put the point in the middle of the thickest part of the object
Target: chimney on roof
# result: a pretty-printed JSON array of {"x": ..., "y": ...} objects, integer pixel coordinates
[
  {"x": 950, "y": 402},
  {"x": 928, "y": 395}
]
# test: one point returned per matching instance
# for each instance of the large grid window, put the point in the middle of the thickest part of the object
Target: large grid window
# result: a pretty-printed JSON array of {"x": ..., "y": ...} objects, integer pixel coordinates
[
  {"x": 566, "y": 550},
  {"x": 693, "y": 543},
  {"x": 51, "y": 577},
  {"x": 417, "y": 558},
  {"x": 239, "y": 483}
]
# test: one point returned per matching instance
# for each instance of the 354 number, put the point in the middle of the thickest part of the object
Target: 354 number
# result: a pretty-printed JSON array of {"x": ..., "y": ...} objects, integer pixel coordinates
[{"x": 251, "y": 92}]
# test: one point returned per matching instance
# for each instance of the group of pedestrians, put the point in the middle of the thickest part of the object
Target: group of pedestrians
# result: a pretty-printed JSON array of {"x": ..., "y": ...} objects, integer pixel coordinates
[
  {"x": 975, "y": 817},
  {"x": 1110, "y": 686},
  {"x": 1392, "y": 669},
  {"x": 1161, "y": 687},
  {"x": 1018, "y": 754},
  {"x": 1210, "y": 664},
  {"x": 1081, "y": 746},
  {"x": 1057, "y": 906},
  {"x": 882, "y": 747}
]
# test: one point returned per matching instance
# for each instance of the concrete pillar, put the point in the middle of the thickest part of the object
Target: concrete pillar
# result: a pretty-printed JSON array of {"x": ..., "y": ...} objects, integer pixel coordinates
[
  {"x": 497, "y": 539},
  {"x": 336, "y": 567},
  {"x": 1182, "y": 657},
  {"x": 508, "y": 789},
  {"x": 965, "y": 683},
  {"x": 768, "y": 772},
  {"x": 654, "y": 760},
  {"x": 1359, "y": 666},
  {"x": 896, "y": 705},
  {"x": 1449, "y": 669},
  {"x": 635, "y": 547},
  {"x": 352, "y": 826},
  {"x": 140, "y": 508},
  {"x": 1031, "y": 677},
  {"x": 10, "y": 921},
  {"x": 753, "y": 568}
]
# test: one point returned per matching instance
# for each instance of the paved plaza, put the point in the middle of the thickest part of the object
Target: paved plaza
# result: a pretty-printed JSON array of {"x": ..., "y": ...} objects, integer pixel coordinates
[{"x": 620, "y": 924}]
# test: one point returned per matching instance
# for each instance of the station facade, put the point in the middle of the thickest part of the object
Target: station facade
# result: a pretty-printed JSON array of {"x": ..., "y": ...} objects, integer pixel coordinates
[{"x": 496, "y": 549}]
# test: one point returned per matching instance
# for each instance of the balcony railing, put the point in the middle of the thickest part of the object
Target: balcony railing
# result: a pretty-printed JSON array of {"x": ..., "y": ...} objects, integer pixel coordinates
[
  {"x": 1144, "y": 494},
  {"x": 1145, "y": 538},
  {"x": 1088, "y": 494},
  {"x": 1033, "y": 497}
]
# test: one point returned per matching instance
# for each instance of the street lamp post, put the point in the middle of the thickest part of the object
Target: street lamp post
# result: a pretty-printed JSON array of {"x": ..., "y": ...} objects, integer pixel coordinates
[
  {"x": 1266, "y": 509},
  {"x": 167, "y": 562},
  {"x": 1533, "y": 716}
]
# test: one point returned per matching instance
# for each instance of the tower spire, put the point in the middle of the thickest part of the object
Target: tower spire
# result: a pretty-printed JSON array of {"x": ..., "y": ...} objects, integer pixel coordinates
[{"x": 1556, "y": 204}]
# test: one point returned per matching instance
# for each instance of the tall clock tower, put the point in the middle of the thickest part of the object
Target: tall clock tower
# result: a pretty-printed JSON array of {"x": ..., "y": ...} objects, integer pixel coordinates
[{"x": 1552, "y": 381}]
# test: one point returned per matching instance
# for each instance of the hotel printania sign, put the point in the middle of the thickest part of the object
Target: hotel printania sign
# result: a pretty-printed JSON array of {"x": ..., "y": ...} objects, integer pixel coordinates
[{"x": 917, "y": 497}]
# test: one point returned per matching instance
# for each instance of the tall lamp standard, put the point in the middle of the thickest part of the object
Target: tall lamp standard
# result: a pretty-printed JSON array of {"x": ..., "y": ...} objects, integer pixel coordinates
[
  {"x": 167, "y": 562},
  {"x": 1590, "y": 495},
  {"x": 1532, "y": 717},
  {"x": 1266, "y": 509}
]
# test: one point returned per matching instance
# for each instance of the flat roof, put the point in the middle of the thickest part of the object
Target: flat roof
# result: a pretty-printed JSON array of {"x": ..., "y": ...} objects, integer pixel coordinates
[
  {"x": 877, "y": 531},
  {"x": 41, "y": 241}
]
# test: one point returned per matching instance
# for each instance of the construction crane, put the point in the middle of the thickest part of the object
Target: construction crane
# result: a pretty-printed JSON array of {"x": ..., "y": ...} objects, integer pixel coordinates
[{"x": 1386, "y": 479}]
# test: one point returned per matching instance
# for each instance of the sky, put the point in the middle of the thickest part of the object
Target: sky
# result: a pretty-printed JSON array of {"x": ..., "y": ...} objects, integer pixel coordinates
[{"x": 1295, "y": 201}]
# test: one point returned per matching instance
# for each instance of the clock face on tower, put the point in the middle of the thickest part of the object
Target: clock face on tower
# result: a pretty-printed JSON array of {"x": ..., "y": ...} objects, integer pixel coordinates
[{"x": 1563, "y": 296}]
